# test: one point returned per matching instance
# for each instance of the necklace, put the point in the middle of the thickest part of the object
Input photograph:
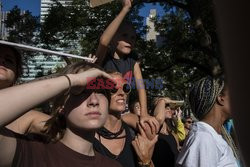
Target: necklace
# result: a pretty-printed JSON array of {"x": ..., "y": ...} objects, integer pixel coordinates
[{"x": 105, "y": 133}]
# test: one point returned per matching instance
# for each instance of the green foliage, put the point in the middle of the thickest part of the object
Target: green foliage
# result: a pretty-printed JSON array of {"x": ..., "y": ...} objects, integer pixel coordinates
[
  {"x": 80, "y": 24},
  {"x": 22, "y": 26},
  {"x": 190, "y": 49}
]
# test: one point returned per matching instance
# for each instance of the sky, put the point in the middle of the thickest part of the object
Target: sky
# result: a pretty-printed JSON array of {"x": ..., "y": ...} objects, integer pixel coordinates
[
  {"x": 34, "y": 6},
  {"x": 31, "y": 5}
]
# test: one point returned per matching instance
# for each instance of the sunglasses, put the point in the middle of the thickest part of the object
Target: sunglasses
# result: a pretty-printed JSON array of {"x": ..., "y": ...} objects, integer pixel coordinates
[{"x": 125, "y": 87}]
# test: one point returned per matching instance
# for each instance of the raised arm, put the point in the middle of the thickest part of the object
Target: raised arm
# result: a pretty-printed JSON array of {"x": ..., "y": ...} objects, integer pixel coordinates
[
  {"x": 180, "y": 129},
  {"x": 141, "y": 89},
  {"x": 110, "y": 31},
  {"x": 159, "y": 110},
  {"x": 16, "y": 100}
]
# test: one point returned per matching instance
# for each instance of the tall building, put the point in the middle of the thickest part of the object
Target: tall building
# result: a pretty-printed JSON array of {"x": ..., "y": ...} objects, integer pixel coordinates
[
  {"x": 46, "y": 4},
  {"x": 39, "y": 66},
  {"x": 4, "y": 31},
  {"x": 152, "y": 34}
]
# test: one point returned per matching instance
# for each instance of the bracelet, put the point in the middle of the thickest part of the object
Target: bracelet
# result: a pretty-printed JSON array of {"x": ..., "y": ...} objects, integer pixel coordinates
[
  {"x": 147, "y": 164},
  {"x": 68, "y": 91}
]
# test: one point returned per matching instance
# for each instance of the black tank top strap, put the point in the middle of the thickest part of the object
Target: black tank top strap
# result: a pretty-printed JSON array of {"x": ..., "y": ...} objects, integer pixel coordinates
[{"x": 127, "y": 157}]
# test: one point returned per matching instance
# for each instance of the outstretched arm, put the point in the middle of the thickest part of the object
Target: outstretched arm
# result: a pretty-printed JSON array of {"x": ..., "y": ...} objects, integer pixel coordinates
[
  {"x": 110, "y": 31},
  {"x": 16, "y": 100}
]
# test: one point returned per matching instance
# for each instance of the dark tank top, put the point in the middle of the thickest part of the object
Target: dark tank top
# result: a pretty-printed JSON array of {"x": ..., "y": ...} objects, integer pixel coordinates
[
  {"x": 127, "y": 157},
  {"x": 124, "y": 65},
  {"x": 166, "y": 151}
]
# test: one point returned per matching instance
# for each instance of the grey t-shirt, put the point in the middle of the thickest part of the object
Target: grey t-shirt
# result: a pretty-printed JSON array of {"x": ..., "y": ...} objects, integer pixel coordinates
[{"x": 204, "y": 147}]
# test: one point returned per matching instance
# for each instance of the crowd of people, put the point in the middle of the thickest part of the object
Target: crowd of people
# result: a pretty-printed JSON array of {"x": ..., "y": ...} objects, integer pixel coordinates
[{"x": 89, "y": 127}]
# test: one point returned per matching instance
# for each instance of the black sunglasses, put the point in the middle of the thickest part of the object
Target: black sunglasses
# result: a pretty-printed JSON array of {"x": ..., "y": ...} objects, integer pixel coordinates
[{"x": 126, "y": 89}]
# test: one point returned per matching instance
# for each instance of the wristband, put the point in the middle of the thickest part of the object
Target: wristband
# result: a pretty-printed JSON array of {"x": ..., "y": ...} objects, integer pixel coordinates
[
  {"x": 68, "y": 91},
  {"x": 143, "y": 164},
  {"x": 67, "y": 94}
]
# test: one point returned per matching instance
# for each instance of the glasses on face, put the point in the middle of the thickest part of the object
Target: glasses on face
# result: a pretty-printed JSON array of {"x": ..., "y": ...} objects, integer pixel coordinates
[{"x": 126, "y": 89}]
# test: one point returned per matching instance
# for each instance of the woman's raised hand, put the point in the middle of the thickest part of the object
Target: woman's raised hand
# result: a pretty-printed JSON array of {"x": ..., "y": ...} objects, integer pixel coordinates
[
  {"x": 82, "y": 78},
  {"x": 127, "y": 3},
  {"x": 93, "y": 57}
]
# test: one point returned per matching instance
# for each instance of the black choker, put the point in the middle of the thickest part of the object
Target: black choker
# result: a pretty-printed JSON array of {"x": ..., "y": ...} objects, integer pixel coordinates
[{"x": 105, "y": 133}]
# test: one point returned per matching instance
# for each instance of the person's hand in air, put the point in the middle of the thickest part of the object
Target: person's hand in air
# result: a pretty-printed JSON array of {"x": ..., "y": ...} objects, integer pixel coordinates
[{"x": 143, "y": 146}]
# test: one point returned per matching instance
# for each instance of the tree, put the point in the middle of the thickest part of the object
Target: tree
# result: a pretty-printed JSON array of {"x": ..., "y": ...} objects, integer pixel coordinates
[
  {"x": 78, "y": 23},
  {"x": 190, "y": 50},
  {"x": 191, "y": 46},
  {"x": 22, "y": 26}
]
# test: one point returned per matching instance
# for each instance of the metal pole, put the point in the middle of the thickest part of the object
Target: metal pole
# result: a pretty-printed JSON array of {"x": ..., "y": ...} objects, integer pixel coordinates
[{"x": 31, "y": 48}]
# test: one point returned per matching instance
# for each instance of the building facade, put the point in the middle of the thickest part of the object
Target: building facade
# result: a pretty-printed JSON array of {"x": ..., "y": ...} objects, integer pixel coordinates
[
  {"x": 41, "y": 64},
  {"x": 46, "y": 4},
  {"x": 152, "y": 34},
  {"x": 3, "y": 30}
]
